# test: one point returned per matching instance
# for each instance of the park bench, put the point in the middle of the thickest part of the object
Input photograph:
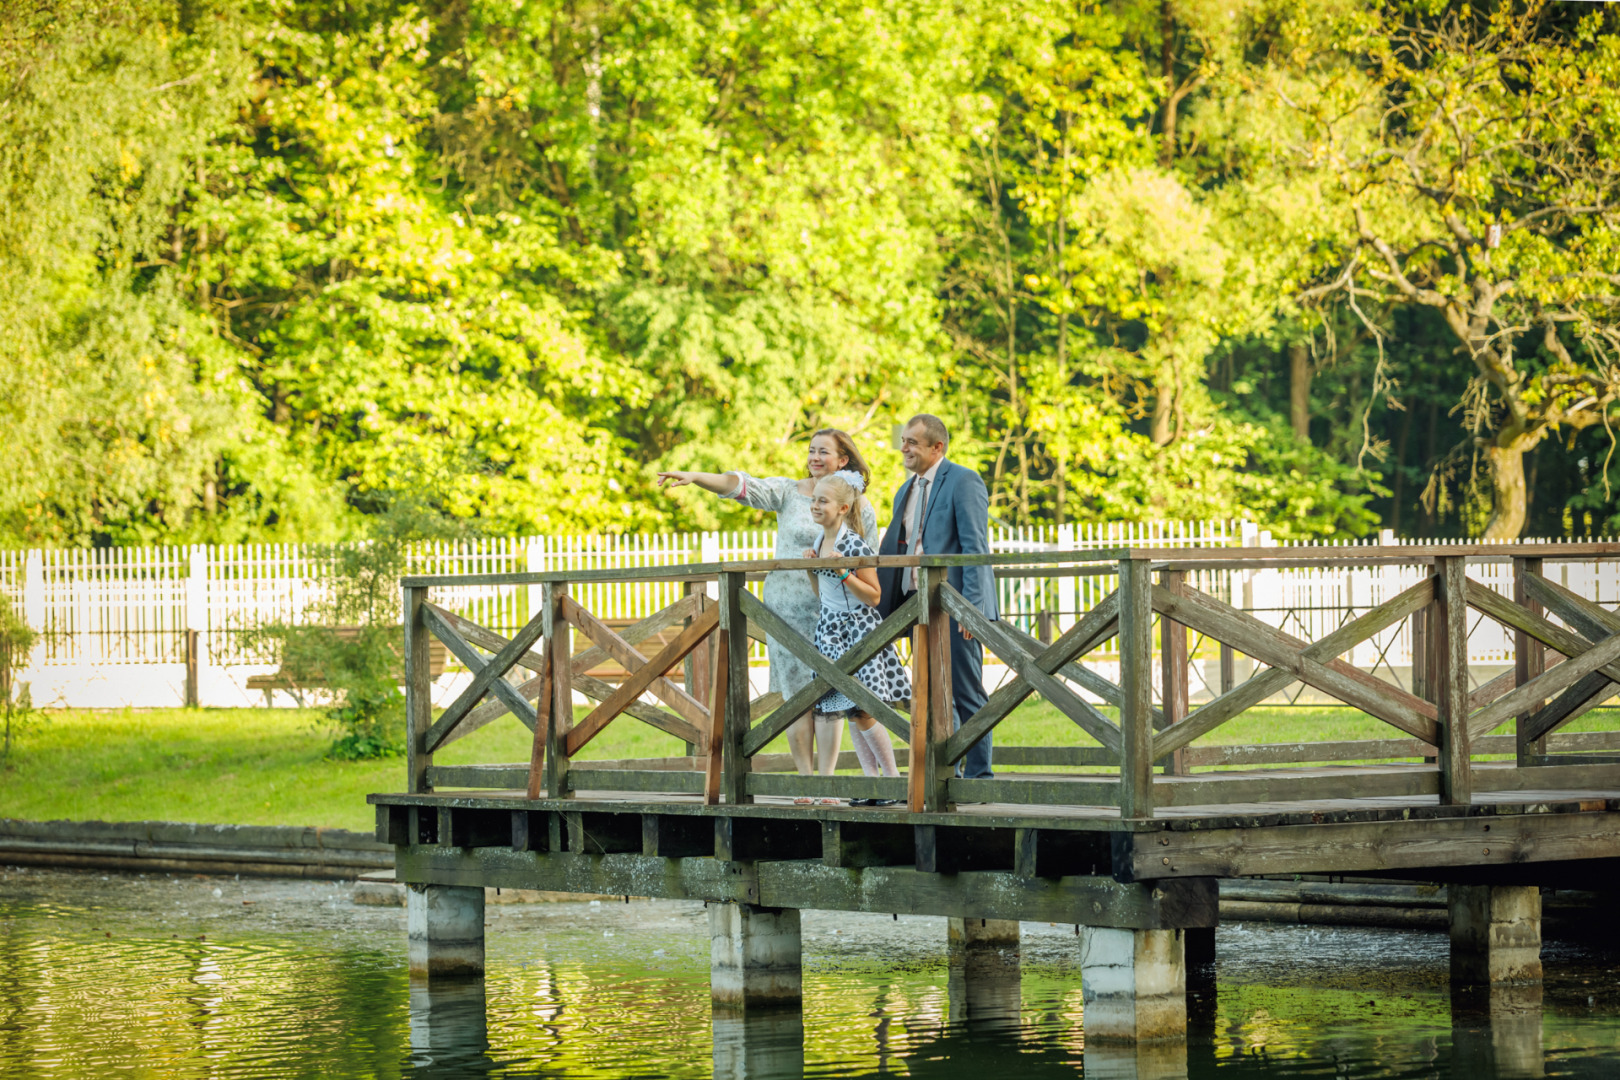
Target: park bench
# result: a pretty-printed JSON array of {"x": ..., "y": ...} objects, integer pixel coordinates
[{"x": 295, "y": 680}]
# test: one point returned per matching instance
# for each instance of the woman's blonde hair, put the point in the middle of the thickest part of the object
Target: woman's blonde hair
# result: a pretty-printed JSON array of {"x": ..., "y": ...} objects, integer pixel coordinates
[{"x": 844, "y": 492}]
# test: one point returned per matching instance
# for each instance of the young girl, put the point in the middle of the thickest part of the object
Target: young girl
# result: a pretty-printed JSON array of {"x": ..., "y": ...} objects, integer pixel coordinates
[{"x": 848, "y": 613}]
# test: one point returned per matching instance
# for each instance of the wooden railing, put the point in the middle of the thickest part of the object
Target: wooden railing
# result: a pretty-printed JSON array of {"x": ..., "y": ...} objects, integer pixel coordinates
[{"x": 1567, "y": 662}]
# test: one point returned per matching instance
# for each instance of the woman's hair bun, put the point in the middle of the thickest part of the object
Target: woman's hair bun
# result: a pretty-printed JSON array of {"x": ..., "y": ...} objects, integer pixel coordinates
[{"x": 853, "y": 479}]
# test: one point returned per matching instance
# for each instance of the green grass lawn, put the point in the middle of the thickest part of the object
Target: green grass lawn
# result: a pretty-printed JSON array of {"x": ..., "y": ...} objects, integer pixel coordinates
[{"x": 266, "y": 767}]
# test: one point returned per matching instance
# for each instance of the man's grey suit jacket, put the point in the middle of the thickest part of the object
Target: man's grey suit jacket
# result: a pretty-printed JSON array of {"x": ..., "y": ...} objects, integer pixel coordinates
[{"x": 956, "y": 521}]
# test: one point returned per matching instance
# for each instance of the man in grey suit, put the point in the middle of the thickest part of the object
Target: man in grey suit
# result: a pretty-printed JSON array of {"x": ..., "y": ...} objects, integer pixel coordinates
[{"x": 944, "y": 509}]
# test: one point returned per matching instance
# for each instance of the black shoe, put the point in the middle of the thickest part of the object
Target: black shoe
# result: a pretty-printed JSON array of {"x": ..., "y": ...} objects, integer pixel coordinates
[
  {"x": 863, "y": 802},
  {"x": 882, "y": 802}
]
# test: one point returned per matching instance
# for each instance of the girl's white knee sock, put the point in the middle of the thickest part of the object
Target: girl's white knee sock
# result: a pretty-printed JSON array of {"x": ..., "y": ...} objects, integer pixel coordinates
[
  {"x": 876, "y": 740},
  {"x": 869, "y": 762}
]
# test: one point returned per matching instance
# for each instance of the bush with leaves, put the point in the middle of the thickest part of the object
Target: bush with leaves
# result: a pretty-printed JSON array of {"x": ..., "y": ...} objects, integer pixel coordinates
[
  {"x": 349, "y": 646},
  {"x": 16, "y": 642}
]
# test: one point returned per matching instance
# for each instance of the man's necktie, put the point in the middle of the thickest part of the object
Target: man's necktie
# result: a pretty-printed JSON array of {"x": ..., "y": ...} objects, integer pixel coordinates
[{"x": 914, "y": 532}]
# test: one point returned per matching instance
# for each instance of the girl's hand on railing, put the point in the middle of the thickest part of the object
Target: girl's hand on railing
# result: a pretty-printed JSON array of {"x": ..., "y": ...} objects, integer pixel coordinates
[{"x": 810, "y": 553}]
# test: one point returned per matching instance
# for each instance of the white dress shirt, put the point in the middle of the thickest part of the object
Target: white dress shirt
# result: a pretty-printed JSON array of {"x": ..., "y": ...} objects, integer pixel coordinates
[{"x": 912, "y": 515}]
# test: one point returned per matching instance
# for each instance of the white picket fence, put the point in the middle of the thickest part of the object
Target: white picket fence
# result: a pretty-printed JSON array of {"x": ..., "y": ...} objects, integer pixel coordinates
[{"x": 115, "y": 621}]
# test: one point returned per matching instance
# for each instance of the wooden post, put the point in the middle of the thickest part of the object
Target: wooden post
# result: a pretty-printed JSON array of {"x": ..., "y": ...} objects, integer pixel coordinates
[
  {"x": 1136, "y": 680},
  {"x": 697, "y": 664},
  {"x": 714, "y": 758},
  {"x": 418, "y": 691},
  {"x": 1045, "y": 626},
  {"x": 1173, "y": 670},
  {"x": 1529, "y": 661},
  {"x": 920, "y": 762},
  {"x": 542, "y": 714},
  {"x": 1422, "y": 685},
  {"x": 1451, "y": 636},
  {"x": 559, "y": 653},
  {"x": 941, "y": 701},
  {"x": 1228, "y": 668},
  {"x": 734, "y": 721},
  {"x": 193, "y": 661},
  {"x": 1424, "y": 680}
]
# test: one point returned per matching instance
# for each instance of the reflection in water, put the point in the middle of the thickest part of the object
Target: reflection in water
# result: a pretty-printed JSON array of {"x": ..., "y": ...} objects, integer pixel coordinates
[
  {"x": 1497, "y": 1031},
  {"x": 760, "y": 1044},
  {"x": 1150, "y": 1061},
  {"x": 169, "y": 978},
  {"x": 985, "y": 989},
  {"x": 449, "y": 1028}
]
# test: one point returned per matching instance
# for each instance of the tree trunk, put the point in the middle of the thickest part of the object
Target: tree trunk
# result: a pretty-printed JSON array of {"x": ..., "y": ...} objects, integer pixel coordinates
[
  {"x": 1511, "y": 503},
  {"x": 1164, "y": 401},
  {"x": 1299, "y": 391},
  {"x": 1167, "y": 69}
]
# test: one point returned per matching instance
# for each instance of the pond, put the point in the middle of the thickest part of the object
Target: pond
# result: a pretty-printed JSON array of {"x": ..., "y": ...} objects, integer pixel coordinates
[{"x": 161, "y": 976}]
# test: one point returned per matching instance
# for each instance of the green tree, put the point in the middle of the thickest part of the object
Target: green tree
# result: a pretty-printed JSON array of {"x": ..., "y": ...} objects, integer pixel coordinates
[
  {"x": 1473, "y": 148},
  {"x": 116, "y": 395}
]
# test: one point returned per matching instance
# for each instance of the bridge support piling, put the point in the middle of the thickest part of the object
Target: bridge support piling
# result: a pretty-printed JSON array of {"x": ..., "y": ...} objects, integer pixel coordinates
[
  {"x": 983, "y": 979},
  {"x": 1134, "y": 983},
  {"x": 754, "y": 956},
  {"x": 1495, "y": 934},
  {"x": 445, "y": 924}
]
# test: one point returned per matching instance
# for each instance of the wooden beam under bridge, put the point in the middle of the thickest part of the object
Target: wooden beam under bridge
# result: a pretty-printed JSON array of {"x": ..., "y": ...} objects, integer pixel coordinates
[
  {"x": 1096, "y": 900},
  {"x": 1432, "y": 843}
]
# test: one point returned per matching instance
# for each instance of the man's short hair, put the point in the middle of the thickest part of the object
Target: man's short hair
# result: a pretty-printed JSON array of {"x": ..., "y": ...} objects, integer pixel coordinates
[{"x": 932, "y": 426}]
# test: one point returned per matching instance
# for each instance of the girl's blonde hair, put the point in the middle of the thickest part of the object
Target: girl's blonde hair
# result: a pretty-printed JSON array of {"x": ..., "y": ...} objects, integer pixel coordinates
[{"x": 845, "y": 493}]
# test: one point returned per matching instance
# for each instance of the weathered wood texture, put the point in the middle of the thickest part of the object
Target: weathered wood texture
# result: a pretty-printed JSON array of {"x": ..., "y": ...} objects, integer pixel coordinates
[
  {"x": 1076, "y": 561},
  {"x": 1529, "y": 660},
  {"x": 1101, "y": 900},
  {"x": 560, "y": 718},
  {"x": 1136, "y": 680},
  {"x": 1372, "y": 847},
  {"x": 735, "y": 719},
  {"x": 644, "y": 677},
  {"x": 1022, "y": 844},
  {"x": 418, "y": 691},
  {"x": 778, "y": 720},
  {"x": 1451, "y": 592},
  {"x": 918, "y": 753},
  {"x": 1173, "y": 662}
]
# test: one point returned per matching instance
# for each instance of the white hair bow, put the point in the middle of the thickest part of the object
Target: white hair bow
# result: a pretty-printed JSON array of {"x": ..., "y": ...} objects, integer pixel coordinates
[{"x": 853, "y": 479}]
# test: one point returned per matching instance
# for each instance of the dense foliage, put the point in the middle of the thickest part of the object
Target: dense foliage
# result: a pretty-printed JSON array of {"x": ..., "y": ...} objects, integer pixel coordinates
[{"x": 1326, "y": 266}]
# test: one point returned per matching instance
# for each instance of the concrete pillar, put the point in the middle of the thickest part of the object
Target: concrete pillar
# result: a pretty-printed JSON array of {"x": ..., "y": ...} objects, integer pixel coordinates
[
  {"x": 1496, "y": 1031},
  {"x": 983, "y": 982},
  {"x": 1134, "y": 983},
  {"x": 758, "y": 1044},
  {"x": 754, "y": 955},
  {"x": 449, "y": 1027},
  {"x": 446, "y": 928},
  {"x": 1495, "y": 934}
]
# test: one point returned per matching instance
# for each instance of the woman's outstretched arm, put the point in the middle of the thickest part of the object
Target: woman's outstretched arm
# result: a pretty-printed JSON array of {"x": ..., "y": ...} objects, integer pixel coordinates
[{"x": 719, "y": 483}]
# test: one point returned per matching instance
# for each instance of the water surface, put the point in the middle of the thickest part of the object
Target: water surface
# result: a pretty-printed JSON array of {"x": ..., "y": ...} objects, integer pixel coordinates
[{"x": 161, "y": 976}]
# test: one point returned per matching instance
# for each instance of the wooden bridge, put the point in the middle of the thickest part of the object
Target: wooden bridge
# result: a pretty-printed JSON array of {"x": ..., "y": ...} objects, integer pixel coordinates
[{"x": 1124, "y": 832}]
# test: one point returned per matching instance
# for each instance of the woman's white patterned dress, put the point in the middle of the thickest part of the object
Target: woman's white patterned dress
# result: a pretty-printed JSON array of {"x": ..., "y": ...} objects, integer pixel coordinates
[
  {"x": 843, "y": 623},
  {"x": 788, "y": 592}
]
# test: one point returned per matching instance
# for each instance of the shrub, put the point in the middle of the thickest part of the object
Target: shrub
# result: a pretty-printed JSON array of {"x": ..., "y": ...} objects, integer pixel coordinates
[
  {"x": 352, "y": 641},
  {"x": 16, "y": 703}
]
